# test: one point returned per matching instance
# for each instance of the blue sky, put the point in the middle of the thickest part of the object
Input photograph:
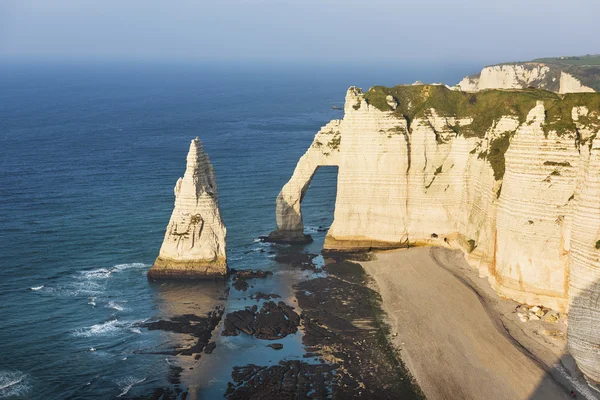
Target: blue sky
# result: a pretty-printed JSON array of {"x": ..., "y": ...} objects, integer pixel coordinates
[{"x": 310, "y": 31}]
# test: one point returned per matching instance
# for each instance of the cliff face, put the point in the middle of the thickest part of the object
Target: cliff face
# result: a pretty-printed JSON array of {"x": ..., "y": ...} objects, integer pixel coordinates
[
  {"x": 523, "y": 75},
  {"x": 194, "y": 243},
  {"x": 510, "y": 177}
]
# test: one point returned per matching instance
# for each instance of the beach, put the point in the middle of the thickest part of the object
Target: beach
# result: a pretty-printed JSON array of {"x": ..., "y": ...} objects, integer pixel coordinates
[{"x": 458, "y": 338}]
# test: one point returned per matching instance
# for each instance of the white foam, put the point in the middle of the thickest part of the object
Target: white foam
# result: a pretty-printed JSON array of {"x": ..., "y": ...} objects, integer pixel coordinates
[
  {"x": 115, "y": 306},
  {"x": 92, "y": 349},
  {"x": 127, "y": 383},
  {"x": 100, "y": 273},
  {"x": 122, "y": 267},
  {"x": 106, "y": 328},
  {"x": 13, "y": 383},
  {"x": 109, "y": 328},
  {"x": 36, "y": 288}
]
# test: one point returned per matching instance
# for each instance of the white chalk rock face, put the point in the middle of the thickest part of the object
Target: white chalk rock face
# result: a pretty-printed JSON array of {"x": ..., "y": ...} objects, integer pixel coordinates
[
  {"x": 523, "y": 76},
  {"x": 531, "y": 255},
  {"x": 519, "y": 193},
  {"x": 511, "y": 76},
  {"x": 194, "y": 243},
  {"x": 570, "y": 84}
]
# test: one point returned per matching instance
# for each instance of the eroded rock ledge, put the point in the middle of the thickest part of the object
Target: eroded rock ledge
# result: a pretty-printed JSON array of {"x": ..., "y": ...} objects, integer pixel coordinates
[
  {"x": 194, "y": 243},
  {"x": 510, "y": 177}
]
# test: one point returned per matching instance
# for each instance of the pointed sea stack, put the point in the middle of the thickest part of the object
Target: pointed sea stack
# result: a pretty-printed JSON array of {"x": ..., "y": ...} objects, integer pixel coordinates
[{"x": 194, "y": 244}]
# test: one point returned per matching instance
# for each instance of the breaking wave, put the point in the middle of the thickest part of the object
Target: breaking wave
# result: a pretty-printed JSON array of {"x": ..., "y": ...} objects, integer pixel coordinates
[
  {"x": 104, "y": 329},
  {"x": 108, "y": 328},
  {"x": 100, "y": 273},
  {"x": 122, "y": 267},
  {"x": 36, "y": 288},
  {"x": 115, "y": 305},
  {"x": 105, "y": 273},
  {"x": 13, "y": 383},
  {"x": 127, "y": 383}
]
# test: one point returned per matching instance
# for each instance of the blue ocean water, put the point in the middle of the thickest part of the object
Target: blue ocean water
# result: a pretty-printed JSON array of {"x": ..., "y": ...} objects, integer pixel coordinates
[{"x": 89, "y": 155}]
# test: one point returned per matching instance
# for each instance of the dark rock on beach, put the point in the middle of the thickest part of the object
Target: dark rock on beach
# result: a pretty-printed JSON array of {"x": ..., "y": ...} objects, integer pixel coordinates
[
  {"x": 273, "y": 321},
  {"x": 297, "y": 259},
  {"x": 287, "y": 380},
  {"x": 240, "y": 277},
  {"x": 342, "y": 321},
  {"x": 275, "y": 346}
]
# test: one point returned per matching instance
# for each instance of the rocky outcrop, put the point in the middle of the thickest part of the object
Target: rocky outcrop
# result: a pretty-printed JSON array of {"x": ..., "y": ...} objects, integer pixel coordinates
[
  {"x": 510, "y": 177},
  {"x": 194, "y": 243},
  {"x": 522, "y": 76}
]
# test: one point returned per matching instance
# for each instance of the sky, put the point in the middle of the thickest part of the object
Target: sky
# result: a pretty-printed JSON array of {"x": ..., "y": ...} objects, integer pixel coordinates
[{"x": 301, "y": 31}]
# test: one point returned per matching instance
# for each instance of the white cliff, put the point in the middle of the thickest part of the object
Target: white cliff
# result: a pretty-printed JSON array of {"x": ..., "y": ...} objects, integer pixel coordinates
[
  {"x": 517, "y": 190},
  {"x": 523, "y": 76},
  {"x": 194, "y": 243},
  {"x": 570, "y": 84}
]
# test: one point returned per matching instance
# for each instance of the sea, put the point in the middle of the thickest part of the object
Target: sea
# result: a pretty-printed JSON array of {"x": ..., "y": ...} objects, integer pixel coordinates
[{"x": 89, "y": 156}]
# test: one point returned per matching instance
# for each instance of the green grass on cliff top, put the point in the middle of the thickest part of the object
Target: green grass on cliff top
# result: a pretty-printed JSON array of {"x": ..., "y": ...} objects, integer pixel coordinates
[
  {"x": 587, "y": 60},
  {"x": 484, "y": 107}
]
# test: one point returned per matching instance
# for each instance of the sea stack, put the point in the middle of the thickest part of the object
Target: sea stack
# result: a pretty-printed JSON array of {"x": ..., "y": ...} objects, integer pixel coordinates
[{"x": 194, "y": 244}]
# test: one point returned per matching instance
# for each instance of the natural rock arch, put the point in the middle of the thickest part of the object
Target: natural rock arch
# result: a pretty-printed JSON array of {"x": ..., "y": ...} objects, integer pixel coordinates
[{"x": 323, "y": 151}]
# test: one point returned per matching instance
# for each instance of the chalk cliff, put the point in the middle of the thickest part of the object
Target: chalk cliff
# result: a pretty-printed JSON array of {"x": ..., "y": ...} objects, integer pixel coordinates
[
  {"x": 194, "y": 243},
  {"x": 524, "y": 75},
  {"x": 510, "y": 177}
]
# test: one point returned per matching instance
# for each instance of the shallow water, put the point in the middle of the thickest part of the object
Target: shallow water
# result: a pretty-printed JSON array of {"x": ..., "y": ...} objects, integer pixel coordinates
[{"x": 89, "y": 156}]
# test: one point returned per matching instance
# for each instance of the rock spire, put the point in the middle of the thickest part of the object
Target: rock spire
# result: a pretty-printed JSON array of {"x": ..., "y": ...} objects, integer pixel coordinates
[{"x": 194, "y": 243}]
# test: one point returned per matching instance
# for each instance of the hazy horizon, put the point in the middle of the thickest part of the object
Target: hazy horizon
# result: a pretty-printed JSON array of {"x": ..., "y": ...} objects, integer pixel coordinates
[{"x": 312, "y": 32}]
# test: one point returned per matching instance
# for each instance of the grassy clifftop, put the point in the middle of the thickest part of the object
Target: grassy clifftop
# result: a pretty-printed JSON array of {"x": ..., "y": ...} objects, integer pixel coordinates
[{"x": 483, "y": 107}]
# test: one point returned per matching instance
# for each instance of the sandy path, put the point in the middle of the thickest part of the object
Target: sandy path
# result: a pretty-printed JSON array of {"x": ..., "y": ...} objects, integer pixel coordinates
[{"x": 448, "y": 339}]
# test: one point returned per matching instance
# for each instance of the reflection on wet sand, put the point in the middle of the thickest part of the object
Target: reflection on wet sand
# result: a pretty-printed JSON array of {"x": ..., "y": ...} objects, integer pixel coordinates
[
  {"x": 182, "y": 297},
  {"x": 187, "y": 314},
  {"x": 210, "y": 375}
]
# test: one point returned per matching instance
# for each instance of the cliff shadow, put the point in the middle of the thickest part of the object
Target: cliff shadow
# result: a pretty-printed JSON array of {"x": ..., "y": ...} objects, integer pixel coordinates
[
  {"x": 583, "y": 339},
  {"x": 544, "y": 369}
]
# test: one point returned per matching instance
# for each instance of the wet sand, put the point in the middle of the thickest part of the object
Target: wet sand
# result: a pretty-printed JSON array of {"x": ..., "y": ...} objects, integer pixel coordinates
[{"x": 453, "y": 342}]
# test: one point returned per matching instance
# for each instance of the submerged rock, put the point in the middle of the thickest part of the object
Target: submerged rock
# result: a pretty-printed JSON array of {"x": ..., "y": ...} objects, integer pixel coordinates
[
  {"x": 194, "y": 243},
  {"x": 264, "y": 296},
  {"x": 200, "y": 327}
]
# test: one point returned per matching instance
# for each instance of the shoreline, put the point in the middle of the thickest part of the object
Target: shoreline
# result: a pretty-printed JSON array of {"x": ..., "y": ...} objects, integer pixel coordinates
[{"x": 459, "y": 339}]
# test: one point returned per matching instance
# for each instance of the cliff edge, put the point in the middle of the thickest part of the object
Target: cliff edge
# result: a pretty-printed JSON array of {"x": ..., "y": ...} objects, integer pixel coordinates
[
  {"x": 508, "y": 176},
  {"x": 194, "y": 243}
]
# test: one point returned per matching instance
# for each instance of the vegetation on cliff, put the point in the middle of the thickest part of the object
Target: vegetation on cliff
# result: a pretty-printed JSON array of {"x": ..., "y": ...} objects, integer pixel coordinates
[{"x": 483, "y": 107}]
